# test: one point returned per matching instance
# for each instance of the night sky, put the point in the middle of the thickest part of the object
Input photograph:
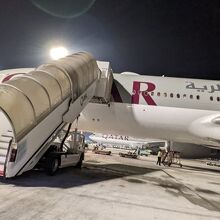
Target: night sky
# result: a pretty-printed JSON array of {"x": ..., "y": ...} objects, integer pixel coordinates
[{"x": 178, "y": 38}]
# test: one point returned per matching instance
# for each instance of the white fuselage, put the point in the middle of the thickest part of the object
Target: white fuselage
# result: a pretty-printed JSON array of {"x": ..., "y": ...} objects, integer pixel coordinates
[
  {"x": 119, "y": 140},
  {"x": 182, "y": 110}
]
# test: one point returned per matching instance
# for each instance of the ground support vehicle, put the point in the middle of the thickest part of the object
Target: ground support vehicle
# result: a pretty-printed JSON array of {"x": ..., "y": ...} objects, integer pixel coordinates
[
  {"x": 103, "y": 152},
  {"x": 64, "y": 153},
  {"x": 36, "y": 106},
  {"x": 129, "y": 155},
  {"x": 215, "y": 163},
  {"x": 172, "y": 157}
]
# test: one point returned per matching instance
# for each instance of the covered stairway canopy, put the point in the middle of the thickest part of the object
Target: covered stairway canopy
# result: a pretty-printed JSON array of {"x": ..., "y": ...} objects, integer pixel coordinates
[{"x": 27, "y": 99}]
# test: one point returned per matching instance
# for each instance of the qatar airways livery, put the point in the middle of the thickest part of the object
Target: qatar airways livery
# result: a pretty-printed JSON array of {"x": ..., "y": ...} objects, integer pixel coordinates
[
  {"x": 174, "y": 109},
  {"x": 109, "y": 139}
]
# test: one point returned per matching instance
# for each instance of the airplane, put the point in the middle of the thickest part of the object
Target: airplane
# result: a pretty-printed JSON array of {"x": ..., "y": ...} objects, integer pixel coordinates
[
  {"x": 186, "y": 150},
  {"x": 121, "y": 140},
  {"x": 179, "y": 110}
]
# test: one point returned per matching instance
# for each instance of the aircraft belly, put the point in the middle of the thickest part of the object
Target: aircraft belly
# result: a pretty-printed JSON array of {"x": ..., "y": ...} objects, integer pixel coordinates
[{"x": 142, "y": 121}]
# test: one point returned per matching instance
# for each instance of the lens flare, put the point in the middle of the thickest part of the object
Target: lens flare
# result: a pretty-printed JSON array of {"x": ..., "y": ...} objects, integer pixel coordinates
[{"x": 58, "y": 52}]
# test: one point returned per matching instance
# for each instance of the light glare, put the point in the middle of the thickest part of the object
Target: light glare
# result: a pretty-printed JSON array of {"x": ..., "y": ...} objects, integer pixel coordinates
[{"x": 58, "y": 52}]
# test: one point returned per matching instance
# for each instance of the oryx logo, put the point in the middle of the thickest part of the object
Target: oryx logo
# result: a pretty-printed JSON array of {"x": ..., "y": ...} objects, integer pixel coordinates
[
  {"x": 83, "y": 99},
  {"x": 137, "y": 92}
]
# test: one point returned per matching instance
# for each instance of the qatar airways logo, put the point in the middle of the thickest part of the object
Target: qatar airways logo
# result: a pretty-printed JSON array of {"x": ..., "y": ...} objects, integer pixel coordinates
[
  {"x": 117, "y": 137},
  {"x": 142, "y": 89}
]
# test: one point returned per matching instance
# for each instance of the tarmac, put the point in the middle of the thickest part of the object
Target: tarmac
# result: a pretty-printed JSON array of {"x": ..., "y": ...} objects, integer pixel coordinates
[{"x": 111, "y": 187}]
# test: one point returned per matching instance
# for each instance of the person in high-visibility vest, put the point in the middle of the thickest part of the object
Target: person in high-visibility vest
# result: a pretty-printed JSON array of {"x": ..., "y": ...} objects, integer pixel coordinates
[{"x": 159, "y": 155}]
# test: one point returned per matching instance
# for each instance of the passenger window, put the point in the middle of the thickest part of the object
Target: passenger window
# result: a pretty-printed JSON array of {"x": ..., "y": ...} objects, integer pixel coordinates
[
  {"x": 165, "y": 94},
  {"x": 191, "y": 96},
  {"x": 158, "y": 94},
  {"x": 211, "y": 98},
  {"x": 178, "y": 96},
  {"x": 218, "y": 99},
  {"x": 152, "y": 93},
  {"x": 171, "y": 95},
  {"x": 198, "y": 97},
  {"x": 184, "y": 95}
]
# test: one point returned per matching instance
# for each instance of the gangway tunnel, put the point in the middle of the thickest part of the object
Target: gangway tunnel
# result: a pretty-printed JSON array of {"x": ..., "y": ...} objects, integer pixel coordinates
[{"x": 34, "y": 107}]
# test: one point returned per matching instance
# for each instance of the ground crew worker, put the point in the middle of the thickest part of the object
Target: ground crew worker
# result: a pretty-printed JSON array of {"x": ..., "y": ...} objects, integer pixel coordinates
[{"x": 159, "y": 155}]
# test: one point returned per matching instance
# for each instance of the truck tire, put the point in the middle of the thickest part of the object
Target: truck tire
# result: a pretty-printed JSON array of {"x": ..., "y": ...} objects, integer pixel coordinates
[
  {"x": 52, "y": 165},
  {"x": 79, "y": 164}
]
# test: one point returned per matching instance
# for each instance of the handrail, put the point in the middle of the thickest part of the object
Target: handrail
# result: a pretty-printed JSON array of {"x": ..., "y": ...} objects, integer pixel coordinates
[{"x": 7, "y": 155}]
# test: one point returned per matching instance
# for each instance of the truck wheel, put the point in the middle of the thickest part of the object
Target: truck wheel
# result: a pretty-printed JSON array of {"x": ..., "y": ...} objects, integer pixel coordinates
[
  {"x": 52, "y": 165},
  {"x": 79, "y": 164}
]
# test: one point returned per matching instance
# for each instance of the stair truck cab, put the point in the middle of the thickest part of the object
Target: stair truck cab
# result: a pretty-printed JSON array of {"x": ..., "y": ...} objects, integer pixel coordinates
[{"x": 66, "y": 150}]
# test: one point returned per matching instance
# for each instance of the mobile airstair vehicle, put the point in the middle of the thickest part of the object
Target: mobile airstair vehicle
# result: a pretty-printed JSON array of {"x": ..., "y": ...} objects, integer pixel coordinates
[{"x": 35, "y": 107}]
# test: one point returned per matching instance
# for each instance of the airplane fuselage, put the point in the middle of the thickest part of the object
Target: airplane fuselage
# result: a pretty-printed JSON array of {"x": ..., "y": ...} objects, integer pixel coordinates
[
  {"x": 182, "y": 110},
  {"x": 120, "y": 140}
]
